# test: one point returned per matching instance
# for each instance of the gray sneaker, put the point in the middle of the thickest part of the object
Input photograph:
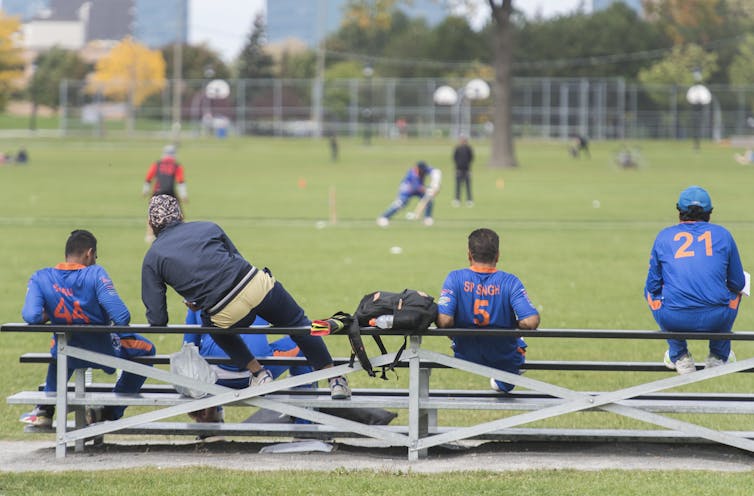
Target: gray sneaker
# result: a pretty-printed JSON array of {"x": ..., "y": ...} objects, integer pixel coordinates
[
  {"x": 685, "y": 364},
  {"x": 264, "y": 376},
  {"x": 715, "y": 361},
  {"x": 339, "y": 388}
]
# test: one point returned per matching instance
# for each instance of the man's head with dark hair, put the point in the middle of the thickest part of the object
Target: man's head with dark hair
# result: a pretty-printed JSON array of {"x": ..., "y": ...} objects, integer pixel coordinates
[
  {"x": 81, "y": 247},
  {"x": 694, "y": 204},
  {"x": 484, "y": 246}
]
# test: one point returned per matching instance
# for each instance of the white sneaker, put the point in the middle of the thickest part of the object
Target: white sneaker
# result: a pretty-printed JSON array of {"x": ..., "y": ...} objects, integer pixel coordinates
[
  {"x": 383, "y": 221},
  {"x": 38, "y": 417},
  {"x": 339, "y": 388},
  {"x": 684, "y": 365},
  {"x": 494, "y": 386},
  {"x": 715, "y": 361},
  {"x": 456, "y": 203},
  {"x": 469, "y": 204},
  {"x": 428, "y": 221},
  {"x": 263, "y": 377}
]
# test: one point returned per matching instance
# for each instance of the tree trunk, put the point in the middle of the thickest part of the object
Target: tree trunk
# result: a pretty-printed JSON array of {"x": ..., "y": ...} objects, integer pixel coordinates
[{"x": 502, "y": 154}]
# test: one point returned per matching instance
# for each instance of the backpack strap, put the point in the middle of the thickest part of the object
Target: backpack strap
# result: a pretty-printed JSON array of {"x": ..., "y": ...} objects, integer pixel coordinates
[{"x": 357, "y": 348}]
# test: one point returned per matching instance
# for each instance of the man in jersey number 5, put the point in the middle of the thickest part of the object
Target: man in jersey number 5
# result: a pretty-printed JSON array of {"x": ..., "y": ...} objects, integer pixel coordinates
[
  {"x": 482, "y": 296},
  {"x": 695, "y": 281}
]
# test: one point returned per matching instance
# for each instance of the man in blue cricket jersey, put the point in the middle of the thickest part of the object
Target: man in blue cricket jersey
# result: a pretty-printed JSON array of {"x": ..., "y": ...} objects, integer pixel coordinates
[
  {"x": 482, "y": 296},
  {"x": 695, "y": 280},
  {"x": 229, "y": 375},
  {"x": 411, "y": 185},
  {"x": 80, "y": 292}
]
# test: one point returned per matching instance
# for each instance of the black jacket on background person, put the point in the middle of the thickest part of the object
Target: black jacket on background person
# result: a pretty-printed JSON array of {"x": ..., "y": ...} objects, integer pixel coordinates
[{"x": 463, "y": 156}]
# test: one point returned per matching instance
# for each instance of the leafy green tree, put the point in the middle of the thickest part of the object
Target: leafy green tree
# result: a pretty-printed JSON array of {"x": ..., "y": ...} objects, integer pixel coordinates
[
  {"x": 301, "y": 65},
  {"x": 587, "y": 45},
  {"x": 708, "y": 23},
  {"x": 254, "y": 62},
  {"x": 678, "y": 68},
  {"x": 197, "y": 60},
  {"x": 51, "y": 67},
  {"x": 132, "y": 72},
  {"x": 741, "y": 70},
  {"x": 454, "y": 41}
]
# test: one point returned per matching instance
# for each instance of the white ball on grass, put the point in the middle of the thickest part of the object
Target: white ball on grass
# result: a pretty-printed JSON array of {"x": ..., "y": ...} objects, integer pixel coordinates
[{"x": 396, "y": 250}]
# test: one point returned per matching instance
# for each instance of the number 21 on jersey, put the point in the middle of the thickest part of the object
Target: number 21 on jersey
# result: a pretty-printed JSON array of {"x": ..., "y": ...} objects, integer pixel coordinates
[{"x": 687, "y": 239}]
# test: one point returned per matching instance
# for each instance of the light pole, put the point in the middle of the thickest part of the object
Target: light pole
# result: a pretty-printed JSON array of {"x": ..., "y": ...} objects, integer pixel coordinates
[
  {"x": 33, "y": 93},
  {"x": 368, "y": 112},
  {"x": 476, "y": 89},
  {"x": 209, "y": 73},
  {"x": 698, "y": 96}
]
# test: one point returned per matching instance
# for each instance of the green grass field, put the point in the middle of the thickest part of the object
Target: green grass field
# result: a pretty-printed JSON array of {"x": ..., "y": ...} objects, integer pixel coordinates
[{"x": 577, "y": 232}]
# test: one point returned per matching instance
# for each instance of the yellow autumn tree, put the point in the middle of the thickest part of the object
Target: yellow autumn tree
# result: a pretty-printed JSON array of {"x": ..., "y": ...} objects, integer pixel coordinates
[
  {"x": 131, "y": 71},
  {"x": 11, "y": 62}
]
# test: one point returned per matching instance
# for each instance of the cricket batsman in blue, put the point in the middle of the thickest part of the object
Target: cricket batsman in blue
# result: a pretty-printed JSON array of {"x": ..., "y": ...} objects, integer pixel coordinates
[
  {"x": 412, "y": 185},
  {"x": 80, "y": 292},
  {"x": 695, "y": 281},
  {"x": 482, "y": 296}
]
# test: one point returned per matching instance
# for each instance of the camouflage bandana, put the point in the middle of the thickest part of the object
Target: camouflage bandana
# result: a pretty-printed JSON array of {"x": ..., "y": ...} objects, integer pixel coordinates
[{"x": 163, "y": 211}]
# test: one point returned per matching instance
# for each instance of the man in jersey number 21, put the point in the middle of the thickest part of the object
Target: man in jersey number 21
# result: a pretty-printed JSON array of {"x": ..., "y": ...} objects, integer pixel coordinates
[{"x": 695, "y": 281}]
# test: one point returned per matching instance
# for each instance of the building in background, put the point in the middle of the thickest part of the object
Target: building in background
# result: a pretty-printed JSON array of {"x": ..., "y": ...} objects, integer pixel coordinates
[
  {"x": 158, "y": 24},
  {"x": 73, "y": 24},
  {"x": 303, "y": 20}
]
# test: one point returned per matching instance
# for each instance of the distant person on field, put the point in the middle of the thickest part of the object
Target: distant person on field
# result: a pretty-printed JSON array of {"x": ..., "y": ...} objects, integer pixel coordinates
[
  {"x": 626, "y": 158},
  {"x": 22, "y": 156},
  {"x": 463, "y": 155},
  {"x": 80, "y": 292},
  {"x": 745, "y": 158},
  {"x": 165, "y": 177},
  {"x": 482, "y": 296},
  {"x": 580, "y": 145},
  {"x": 333, "y": 140},
  {"x": 695, "y": 281},
  {"x": 412, "y": 185}
]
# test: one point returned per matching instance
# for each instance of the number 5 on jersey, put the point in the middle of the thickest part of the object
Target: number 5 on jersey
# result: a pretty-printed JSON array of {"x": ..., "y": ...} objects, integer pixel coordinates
[{"x": 481, "y": 315}]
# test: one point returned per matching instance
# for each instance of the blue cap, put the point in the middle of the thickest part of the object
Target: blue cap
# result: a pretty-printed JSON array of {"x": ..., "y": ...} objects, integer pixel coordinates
[
  {"x": 422, "y": 166},
  {"x": 694, "y": 195}
]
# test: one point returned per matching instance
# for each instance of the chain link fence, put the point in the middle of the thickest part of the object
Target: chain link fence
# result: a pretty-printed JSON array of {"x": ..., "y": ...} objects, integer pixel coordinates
[{"x": 549, "y": 108}]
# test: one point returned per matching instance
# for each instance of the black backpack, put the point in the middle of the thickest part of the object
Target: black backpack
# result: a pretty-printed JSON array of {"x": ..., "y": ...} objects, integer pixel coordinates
[{"x": 411, "y": 310}]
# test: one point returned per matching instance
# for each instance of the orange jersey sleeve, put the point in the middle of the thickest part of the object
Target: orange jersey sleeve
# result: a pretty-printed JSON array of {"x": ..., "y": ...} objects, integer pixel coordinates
[
  {"x": 179, "y": 174},
  {"x": 151, "y": 172}
]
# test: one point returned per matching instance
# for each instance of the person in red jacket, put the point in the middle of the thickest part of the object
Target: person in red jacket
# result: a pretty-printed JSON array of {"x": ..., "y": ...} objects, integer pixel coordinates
[{"x": 165, "y": 177}]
